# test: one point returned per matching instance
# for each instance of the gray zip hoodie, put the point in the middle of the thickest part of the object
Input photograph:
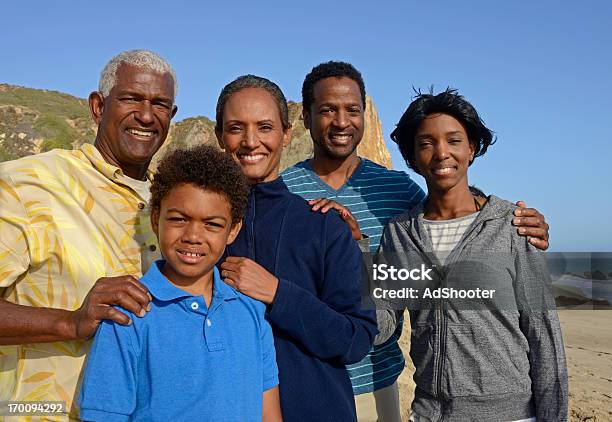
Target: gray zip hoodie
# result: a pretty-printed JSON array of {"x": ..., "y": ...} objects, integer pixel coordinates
[{"x": 500, "y": 363}]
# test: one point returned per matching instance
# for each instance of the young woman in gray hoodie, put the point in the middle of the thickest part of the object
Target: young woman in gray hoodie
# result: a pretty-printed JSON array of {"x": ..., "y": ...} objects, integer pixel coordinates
[{"x": 478, "y": 356}]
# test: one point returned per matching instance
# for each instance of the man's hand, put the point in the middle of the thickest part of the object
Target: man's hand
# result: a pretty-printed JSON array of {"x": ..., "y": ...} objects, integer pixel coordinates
[
  {"x": 125, "y": 291},
  {"x": 325, "y": 205},
  {"x": 532, "y": 224},
  {"x": 249, "y": 278}
]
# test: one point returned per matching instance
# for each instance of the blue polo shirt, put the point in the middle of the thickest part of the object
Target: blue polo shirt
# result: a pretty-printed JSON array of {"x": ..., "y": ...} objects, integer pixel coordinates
[{"x": 182, "y": 361}]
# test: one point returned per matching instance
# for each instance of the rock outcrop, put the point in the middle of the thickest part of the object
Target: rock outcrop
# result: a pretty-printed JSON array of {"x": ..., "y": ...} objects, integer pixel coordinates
[{"x": 34, "y": 120}]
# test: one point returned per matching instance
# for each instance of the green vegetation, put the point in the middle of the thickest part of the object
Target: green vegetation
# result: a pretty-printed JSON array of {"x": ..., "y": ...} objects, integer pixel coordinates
[
  {"x": 56, "y": 131},
  {"x": 53, "y": 143},
  {"x": 44, "y": 101},
  {"x": 5, "y": 156}
]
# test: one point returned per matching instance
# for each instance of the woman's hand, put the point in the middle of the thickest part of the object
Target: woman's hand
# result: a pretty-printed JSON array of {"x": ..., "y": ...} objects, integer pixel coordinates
[{"x": 249, "y": 278}]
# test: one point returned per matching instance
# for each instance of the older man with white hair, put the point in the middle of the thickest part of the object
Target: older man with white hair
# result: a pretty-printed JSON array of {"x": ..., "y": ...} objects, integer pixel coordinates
[{"x": 74, "y": 230}]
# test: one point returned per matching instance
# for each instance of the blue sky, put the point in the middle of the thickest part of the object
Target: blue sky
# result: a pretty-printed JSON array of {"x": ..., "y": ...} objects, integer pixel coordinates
[{"x": 540, "y": 74}]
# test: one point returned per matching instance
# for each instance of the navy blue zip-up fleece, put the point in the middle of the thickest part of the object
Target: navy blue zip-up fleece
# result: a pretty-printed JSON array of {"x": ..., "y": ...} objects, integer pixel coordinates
[{"x": 316, "y": 316}]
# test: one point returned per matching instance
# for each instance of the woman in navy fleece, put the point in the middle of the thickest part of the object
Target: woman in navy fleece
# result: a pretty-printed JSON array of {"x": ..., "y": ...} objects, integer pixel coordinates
[{"x": 305, "y": 266}]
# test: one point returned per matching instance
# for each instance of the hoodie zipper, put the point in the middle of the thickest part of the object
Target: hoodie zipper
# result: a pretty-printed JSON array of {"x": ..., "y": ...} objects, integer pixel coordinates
[
  {"x": 455, "y": 255},
  {"x": 442, "y": 326},
  {"x": 440, "y": 311},
  {"x": 441, "y": 332}
]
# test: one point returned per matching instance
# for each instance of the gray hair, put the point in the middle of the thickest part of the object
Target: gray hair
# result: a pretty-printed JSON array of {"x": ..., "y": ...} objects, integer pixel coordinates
[
  {"x": 139, "y": 58},
  {"x": 252, "y": 81}
]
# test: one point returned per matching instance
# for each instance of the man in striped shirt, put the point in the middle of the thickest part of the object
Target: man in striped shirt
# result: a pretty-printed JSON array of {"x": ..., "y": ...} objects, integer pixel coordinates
[{"x": 333, "y": 99}]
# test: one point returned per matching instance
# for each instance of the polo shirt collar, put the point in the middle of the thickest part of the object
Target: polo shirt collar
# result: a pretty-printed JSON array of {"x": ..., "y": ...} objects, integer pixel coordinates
[
  {"x": 162, "y": 289},
  {"x": 108, "y": 170}
]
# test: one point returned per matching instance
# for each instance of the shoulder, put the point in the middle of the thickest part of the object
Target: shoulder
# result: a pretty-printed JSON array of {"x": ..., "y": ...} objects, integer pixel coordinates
[
  {"x": 396, "y": 231},
  {"x": 296, "y": 168},
  {"x": 297, "y": 174},
  {"x": 112, "y": 329},
  {"x": 397, "y": 182},
  {"x": 498, "y": 208},
  {"x": 314, "y": 223},
  {"x": 298, "y": 205},
  {"x": 372, "y": 170},
  {"x": 504, "y": 211},
  {"x": 255, "y": 306},
  {"x": 44, "y": 158},
  {"x": 408, "y": 216},
  {"x": 245, "y": 311},
  {"x": 46, "y": 164}
]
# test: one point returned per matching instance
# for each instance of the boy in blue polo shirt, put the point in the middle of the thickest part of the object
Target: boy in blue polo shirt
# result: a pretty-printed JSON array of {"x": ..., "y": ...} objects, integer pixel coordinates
[{"x": 204, "y": 351}]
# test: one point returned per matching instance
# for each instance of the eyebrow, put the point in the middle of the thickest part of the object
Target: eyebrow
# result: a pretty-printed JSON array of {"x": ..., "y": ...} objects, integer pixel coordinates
[
  {"x": 428, "y": 135},
  {"x": 332, "y": 104},
  {"x": 235, "y": 121},
  {"x": 179, "y": 211},
  {"x": 140, "y": 95}
]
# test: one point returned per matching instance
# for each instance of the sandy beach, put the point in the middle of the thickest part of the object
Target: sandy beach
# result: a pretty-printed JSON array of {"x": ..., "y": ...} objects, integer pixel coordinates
[{"x": 588, "y": 345}]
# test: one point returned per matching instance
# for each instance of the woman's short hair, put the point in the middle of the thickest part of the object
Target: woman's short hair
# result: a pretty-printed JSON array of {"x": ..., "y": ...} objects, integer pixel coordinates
[{"x": 447, "y": 102}]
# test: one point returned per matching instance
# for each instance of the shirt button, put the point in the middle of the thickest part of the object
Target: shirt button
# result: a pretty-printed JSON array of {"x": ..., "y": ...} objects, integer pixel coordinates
[
  {"x": 208, "y": 322},
  {"x": 194, "y": 306},
  {"x": 141, "y": 205},
  {"x": 152, "y": 248}
]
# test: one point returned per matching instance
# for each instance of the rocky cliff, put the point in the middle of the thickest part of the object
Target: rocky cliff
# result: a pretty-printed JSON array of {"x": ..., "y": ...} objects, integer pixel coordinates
[{"x": 33, "y": 120}]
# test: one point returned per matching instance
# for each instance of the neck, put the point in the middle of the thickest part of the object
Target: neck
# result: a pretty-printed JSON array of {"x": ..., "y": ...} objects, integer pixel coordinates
[
  {"x": 138, "y": 172},
  {"x": 197, "y": 286},
  {"x": 446, "y": 205},
  {"x": 335, "y": 171},
  {"x": 254, "y": 182}
]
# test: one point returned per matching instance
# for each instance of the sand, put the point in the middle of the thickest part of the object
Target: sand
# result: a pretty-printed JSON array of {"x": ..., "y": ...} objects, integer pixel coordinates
[{"x": 588, "y": 346}]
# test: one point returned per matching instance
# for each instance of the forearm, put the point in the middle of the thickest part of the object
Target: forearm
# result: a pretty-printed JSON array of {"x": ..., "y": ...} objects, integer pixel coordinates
[
  {"x": 21, "y": 324},
  {"x": 387, "y": 321},
  {"x": 540, "y": 325},
  {"x": 271, "y": 406},
  {"x": 548, "y": 366}
]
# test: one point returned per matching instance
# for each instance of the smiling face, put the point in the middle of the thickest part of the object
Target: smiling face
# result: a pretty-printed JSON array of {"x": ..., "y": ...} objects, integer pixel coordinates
[
  {"x": 335, "y": 118},
  {"x": 193, "y": 227},
  {"x": 442, "y": 153},
  {"x": 133, "y": 120},
  {"x": 253, "y": 133}
]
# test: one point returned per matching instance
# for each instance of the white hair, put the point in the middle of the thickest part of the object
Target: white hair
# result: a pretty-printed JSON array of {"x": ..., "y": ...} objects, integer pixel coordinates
[{"x": 139, "y": 58}]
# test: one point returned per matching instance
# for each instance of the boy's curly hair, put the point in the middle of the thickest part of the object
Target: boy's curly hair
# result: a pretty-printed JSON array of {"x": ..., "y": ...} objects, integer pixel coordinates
[{"x": 205, "y": 167}]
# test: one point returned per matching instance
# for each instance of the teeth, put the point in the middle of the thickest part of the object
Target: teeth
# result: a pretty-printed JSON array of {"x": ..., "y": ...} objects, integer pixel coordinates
[
  {"x": 341, "y": 137},
  {"x": 140, "y": 132},
  {"x": 255, "y": 157},
  {"x": 192, "y": 254},
  {"x": 444, "y": 170}
]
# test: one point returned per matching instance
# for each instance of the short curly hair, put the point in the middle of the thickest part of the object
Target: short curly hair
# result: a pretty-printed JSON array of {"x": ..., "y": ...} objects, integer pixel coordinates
[
  {"x": 328, "y": 70},
  {"x": 205, "y": 167},
  {"x": 446, "y": 102}
]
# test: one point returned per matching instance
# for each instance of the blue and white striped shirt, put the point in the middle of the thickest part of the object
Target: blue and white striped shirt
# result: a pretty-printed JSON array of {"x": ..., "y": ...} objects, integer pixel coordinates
[{"x": 374, "y": 194}]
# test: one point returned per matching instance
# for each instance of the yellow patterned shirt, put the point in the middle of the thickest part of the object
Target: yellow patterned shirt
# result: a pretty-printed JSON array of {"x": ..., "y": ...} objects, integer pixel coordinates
[{"x": 67, "y": 218}]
